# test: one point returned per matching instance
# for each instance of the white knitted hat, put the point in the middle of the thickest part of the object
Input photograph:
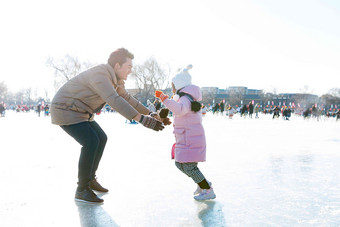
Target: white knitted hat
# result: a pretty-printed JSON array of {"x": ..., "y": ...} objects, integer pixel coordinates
[{"x": 183, "y": 78}]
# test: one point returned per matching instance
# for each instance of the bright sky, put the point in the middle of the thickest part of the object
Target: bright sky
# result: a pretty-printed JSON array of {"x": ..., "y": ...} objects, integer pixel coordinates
[{"x": 261, "y": 44}]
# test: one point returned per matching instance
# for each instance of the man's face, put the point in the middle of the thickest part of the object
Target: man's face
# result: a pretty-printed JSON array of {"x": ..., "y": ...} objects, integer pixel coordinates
[{"x": 122, "y": 71}]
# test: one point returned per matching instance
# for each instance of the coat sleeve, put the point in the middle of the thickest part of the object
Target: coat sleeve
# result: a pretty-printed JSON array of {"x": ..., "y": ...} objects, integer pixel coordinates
[
  {"x": 131, "y": 100},
  {"x": 102, "y": 85},
  {"x": 182, "y": 107}
]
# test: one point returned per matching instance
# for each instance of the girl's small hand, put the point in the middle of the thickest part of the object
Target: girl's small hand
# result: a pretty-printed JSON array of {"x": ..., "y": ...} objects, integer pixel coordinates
[{"x": 166, "y": 121}]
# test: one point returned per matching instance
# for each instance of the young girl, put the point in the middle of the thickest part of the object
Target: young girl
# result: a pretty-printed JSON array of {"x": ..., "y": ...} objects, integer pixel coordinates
[{"x": 190, "y": 145}]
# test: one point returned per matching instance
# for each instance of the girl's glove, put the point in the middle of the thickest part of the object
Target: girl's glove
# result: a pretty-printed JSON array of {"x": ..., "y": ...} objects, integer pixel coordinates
[
  {"x": 163, "y": 113},
  {"x": 159, "y": 94},
  {"x": 151, "y": 122}
]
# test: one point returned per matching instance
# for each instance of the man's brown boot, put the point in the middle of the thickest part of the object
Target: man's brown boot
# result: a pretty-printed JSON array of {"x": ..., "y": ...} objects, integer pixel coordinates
[{"x": 94, "y": 185}]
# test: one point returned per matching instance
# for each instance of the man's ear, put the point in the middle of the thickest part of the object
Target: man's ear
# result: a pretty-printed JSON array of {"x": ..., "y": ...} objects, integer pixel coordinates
[{"x": 117, "y": 66}]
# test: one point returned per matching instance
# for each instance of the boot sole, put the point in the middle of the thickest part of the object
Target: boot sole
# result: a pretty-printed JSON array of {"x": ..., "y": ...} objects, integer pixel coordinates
[{"x": 85, "y": 201}]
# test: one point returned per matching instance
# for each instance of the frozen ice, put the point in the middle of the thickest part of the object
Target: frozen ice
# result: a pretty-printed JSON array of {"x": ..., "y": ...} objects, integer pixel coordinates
[{"x": 265, "y": 172}]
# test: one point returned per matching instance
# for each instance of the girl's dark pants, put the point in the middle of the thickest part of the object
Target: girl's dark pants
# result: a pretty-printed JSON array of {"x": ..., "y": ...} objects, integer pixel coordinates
[{"x": 93, "y": 140}]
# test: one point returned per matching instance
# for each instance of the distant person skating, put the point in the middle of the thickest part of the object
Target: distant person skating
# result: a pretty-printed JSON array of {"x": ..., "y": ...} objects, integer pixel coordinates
[
  {"x": 190, "y": 146},
  {"x": 244, "y": 110},
  {"x": 150, "y": 106},
  {"x": 216, "y": 108},
  {"x": 204, "y": 110},
  {"x": 257, "y": 110},
  {"x": 47, "y": 110},
  {"x": 75, "y": 104},
  {"x": 314, "y": 111},
  {"x": 39, "y": 109},
  {"x": 276, "y": 112},
  {"x": 2, "y": 110},
  {"x": 222, "y": 105},
  {"x": 251, "y": 109},
  {"x": 287, "y": 113},
  {"x": 231, "y": 112},
  {"x": 306, "y": 114},
  {"x": 157, "y": 104}
]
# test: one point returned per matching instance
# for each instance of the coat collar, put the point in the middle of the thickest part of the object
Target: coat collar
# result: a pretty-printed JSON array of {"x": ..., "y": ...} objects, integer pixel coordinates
[{"x": 114, "y": 77}]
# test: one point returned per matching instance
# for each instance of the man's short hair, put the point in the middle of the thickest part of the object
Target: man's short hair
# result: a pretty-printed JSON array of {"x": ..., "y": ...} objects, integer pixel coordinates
[{"x": 119, "y": 56}]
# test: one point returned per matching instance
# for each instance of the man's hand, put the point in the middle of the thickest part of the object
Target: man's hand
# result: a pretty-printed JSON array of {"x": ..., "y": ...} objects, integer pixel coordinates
[
  {"x": 151, "y": 122},
  {"x": 155, "y": 115},
  {"x": 159, "y": 94}
]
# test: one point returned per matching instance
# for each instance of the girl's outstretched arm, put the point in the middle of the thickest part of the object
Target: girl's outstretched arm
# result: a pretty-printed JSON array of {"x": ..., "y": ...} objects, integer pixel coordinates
[
  {"x": 178, "y": 108},
  {"x": 181, "y": 107}
]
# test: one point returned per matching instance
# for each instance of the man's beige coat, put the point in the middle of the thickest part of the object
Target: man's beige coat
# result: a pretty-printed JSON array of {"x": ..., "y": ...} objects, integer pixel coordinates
[{"x": 82, "y": 96}]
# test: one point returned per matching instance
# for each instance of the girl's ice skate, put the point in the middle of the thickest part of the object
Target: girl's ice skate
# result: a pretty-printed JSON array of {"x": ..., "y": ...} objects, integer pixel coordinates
[
  {"x": 206, "y": 194},
  {"x": 199, "y": 190}
]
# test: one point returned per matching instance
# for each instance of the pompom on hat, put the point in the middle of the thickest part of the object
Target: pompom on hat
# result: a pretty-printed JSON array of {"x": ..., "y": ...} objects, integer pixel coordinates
[{"x": 183, "y": 78}]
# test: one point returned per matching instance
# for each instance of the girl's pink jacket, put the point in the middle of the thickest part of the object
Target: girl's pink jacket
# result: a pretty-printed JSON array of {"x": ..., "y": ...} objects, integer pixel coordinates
[{"x": 188, "y": 128}]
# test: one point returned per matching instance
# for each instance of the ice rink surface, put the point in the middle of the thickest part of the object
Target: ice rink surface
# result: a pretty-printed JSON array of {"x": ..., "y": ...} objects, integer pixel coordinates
[{"x": 264, "y": 172}]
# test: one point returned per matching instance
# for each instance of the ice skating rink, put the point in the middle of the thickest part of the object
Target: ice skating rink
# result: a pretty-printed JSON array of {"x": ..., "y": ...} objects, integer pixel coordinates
[{"x": 264, "y": 172}]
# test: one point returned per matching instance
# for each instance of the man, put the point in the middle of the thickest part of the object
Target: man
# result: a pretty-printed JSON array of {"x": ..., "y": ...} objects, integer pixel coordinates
[
  {"x": 251, "y": 109},
  {"x": 75, "y": 104},
  {"x": 39, "y": 109}
]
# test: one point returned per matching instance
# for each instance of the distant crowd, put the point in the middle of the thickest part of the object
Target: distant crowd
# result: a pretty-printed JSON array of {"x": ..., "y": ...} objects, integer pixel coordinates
[
  {"x": 285, "y": 111},
  {"x": 246, "y": 110},
  {"x": 23, "y": 108}
]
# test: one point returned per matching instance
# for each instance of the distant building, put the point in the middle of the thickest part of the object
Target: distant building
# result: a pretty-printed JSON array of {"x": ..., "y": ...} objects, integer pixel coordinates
[
  {"x": 236, "y": 95},
  {"x": 213, "y": 90}
]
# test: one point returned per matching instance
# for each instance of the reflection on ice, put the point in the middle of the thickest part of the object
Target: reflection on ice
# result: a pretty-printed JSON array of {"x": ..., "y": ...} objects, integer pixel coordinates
[
  {"x": 210, "y": 213},
  {"x": 94, "y": 215}
]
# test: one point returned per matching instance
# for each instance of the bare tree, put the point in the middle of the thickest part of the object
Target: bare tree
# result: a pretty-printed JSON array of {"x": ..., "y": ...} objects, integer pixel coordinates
[
  {"x": 275, "y": 91},
  {"x": 236, "y": 95},
  {"x": 10, "y": 98},
  {"x": 19, "y": 97},
  {"x": 27, "y": 93},
  {"x": 306, "y": 90},
  {"x": 149, "y": 77},
  {"x": 267, "y": 98},
  {"x": 328, "y": 100},
  {"x": 46, "y": 95},
  {"x": 208, "y": 96},
  {"x": 334, "y": 92},
  {"x": 66, "y": 68},
  {"x": 22, "y": 96}
]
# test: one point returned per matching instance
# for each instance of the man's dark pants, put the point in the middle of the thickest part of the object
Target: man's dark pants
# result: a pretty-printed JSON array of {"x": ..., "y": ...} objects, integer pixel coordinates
[{"x": 93, "y": 140}]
